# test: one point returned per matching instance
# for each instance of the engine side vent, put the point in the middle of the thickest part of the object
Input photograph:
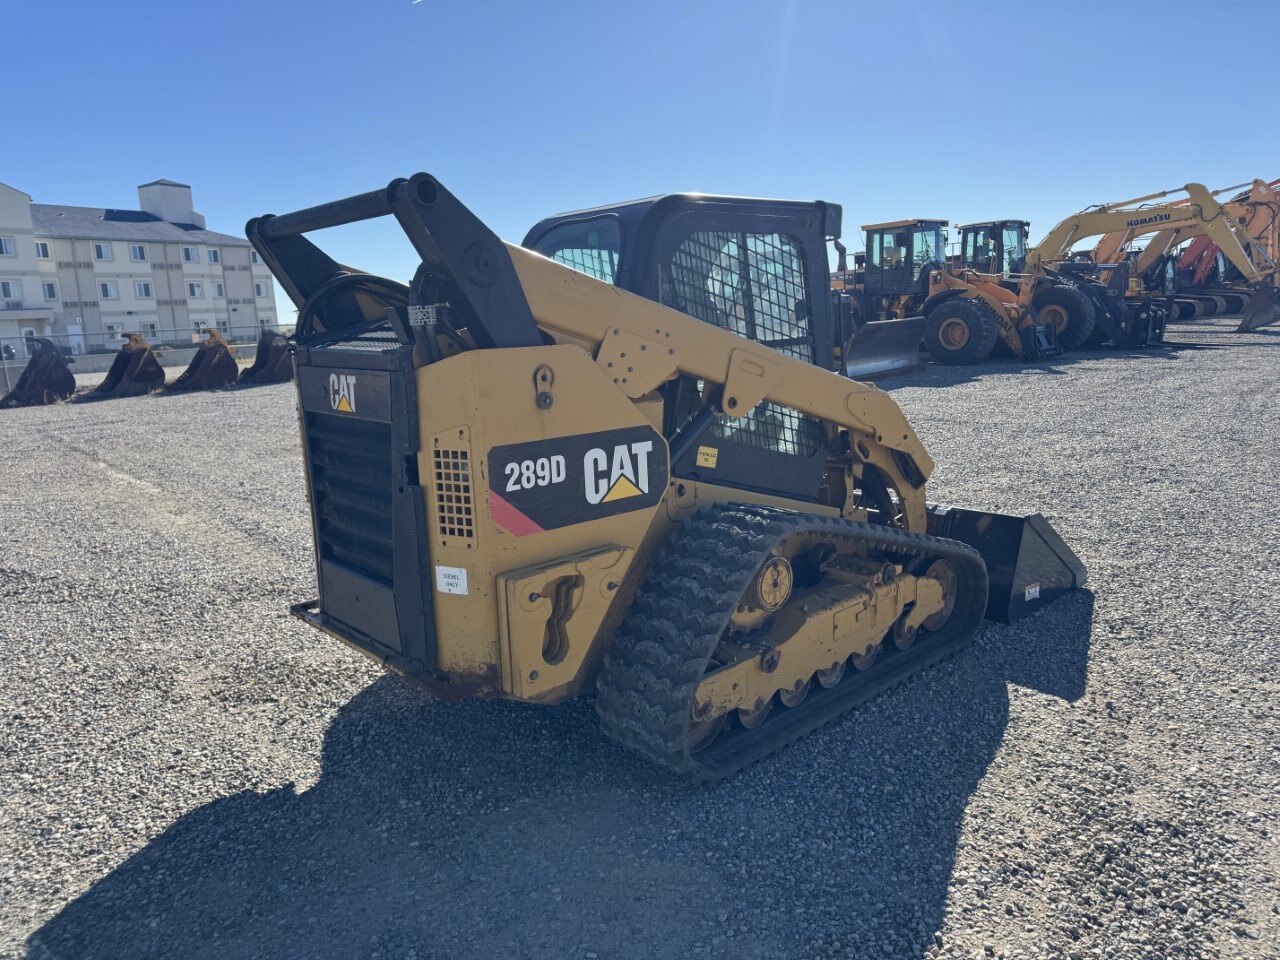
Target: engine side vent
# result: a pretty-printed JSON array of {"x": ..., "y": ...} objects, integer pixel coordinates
[{"x": 455, "y": 511}]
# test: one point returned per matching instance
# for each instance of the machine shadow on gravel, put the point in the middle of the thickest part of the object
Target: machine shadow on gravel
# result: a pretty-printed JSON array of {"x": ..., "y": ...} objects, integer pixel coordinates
[{"x": 483, "y": 829}]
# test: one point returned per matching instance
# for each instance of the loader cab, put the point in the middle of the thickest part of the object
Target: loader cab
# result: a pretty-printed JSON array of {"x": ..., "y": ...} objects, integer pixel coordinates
[
  {"x": 900, "y": 256},
  {"x": 996, "y": 247},
  {"x": 755, "y": 267}
]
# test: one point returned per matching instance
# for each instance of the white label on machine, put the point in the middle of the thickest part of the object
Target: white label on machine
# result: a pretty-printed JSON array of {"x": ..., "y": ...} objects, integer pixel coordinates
[
  {"x": 451, "y": 580},
  {"x": 1033, "y": 590}
]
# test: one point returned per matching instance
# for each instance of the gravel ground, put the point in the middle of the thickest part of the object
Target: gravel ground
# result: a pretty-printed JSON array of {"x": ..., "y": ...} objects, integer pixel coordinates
[{"x": 186, "y": 772}]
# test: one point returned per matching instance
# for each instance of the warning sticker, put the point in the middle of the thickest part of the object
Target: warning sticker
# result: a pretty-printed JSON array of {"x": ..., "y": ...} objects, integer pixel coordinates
[
  {"x": 707, "y": 457},
  {"x": 451, "y": 580},
  {"x": 1033, "y": 592}
]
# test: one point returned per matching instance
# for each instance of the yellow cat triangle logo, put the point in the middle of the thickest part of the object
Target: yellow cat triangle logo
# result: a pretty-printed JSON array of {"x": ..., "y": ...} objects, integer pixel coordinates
[
  {"x": 344, "y": 405},
  {"x": 621, "y": 489}
]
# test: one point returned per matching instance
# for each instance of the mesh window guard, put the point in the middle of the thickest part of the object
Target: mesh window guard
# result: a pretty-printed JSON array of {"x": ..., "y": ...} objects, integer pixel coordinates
[{"x": 754, "y": 285}]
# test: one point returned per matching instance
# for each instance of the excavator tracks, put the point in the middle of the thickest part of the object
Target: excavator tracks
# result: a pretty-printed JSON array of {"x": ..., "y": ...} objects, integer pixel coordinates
[{"x": 660, "y": 654}]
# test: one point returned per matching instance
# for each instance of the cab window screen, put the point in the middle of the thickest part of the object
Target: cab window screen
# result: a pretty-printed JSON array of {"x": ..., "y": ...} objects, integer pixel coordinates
[
  {"x": 754, "y": 285},
  {"x": 590, "y": 247}
]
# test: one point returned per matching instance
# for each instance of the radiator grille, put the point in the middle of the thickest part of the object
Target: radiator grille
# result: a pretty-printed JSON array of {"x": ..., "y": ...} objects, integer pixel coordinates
[
  {"x": 454, "y": 508},
  {"x": 351, "y": 485}
]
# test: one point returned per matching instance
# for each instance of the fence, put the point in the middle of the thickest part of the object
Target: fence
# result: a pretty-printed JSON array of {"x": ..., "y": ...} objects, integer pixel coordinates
[{"x": 90, "y": 354}]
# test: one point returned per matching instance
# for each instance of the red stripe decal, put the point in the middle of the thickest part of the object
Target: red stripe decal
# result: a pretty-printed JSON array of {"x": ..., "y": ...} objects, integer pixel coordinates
[{"x": 509, "y": 518}]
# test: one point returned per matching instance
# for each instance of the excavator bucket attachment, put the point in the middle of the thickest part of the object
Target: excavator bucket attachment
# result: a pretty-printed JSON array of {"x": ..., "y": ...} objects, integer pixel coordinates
[
  {"x": 1028, "y": 564},
  {"x": 135, "y": 371},
  {"x": 884, "y": 348},
  {"x": 46, "y": 378},
  {"x": 273, "y": 362},
  {"x": 213, "y": 366},
  {"x": 1262, "y": 310}
]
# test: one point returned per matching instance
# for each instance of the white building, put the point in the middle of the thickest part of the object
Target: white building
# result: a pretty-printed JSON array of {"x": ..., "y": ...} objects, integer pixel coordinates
[{"x": 90, "y": 274}]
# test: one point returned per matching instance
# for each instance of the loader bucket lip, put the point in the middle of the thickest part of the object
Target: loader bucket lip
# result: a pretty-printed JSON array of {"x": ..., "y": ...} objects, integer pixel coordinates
[
  {"x": 884, "y": 348},
  {"x": 1262, "y": 311},
  {"x": 1028, "y": 564}
]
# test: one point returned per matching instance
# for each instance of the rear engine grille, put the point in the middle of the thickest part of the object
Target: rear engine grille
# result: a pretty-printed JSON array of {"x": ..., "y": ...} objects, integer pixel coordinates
[
  {"x": 454, "y": 514},
  {"x": 351, "y": 490}
]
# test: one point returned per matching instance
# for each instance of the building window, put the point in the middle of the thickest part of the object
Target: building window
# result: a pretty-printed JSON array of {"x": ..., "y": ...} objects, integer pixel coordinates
[
  {"x": 190, "y": 255},
  {"x": 142, "y": 289},
  {"x": 253, "y": 255},
  {"x": 42, "y": 249},
  {"x": 137, "y": 252},
  {"x": 7, "y": 249},
  {"x": 110, "y": 330},
  {"x": 219, "y": 290},
  {"x": 224, "y": 326},
  {"x": 149, "y": 331},
  {"x": 214, "y": 255},
  {"x": 195, "y": 291},
  {"x": 50, "y": 290},
  {"x": 10, "y": 289},
  {"x": 102, "y": 251},
  {"x": 107, "y": 290},
  {"x": 259, "y": 289}
]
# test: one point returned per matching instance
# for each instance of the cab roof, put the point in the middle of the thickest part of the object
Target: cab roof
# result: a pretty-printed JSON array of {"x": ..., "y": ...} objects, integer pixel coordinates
[{"x": 913, "y": 222}]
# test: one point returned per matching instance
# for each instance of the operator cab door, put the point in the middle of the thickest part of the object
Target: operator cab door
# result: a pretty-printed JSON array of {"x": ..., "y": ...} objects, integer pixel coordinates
[
  {"x": 888, "y": 262},
  {"x": 980, "y": 249},
  {"x": 753, "y": 275}
]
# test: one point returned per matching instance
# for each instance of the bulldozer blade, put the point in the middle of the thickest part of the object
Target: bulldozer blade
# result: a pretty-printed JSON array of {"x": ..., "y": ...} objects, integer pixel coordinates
[
  {"x": 135, "y": 371},
  {"x": 884, "y": 348},
  {"x": 1028, "y": 564},
  {"x": 273, "y": 363},
  {"x": 45, "y": 379},
  {"x": 213, "y": 366},
  {"x": 1262, "y": 311}
]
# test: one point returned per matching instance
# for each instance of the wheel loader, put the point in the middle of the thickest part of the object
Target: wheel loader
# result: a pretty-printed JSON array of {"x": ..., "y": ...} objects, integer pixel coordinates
[
  {"x": 966, "y": 314},
  {"x": 526, "y": 482}
]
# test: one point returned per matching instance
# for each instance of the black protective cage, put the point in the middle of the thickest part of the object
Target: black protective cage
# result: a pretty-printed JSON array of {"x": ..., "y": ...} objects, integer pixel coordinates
[{"x": 674, "y": 249}]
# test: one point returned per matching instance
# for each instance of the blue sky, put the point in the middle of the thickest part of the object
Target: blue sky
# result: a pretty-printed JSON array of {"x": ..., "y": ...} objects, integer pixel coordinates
[{"x": 528, "y": 108}]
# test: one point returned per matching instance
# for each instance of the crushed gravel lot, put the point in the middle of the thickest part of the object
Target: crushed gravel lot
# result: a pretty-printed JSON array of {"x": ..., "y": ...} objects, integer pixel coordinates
[{"x": 187, "y": 772}]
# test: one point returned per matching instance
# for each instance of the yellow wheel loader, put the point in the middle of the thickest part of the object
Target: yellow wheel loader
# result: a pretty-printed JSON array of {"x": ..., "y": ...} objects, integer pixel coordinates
[
  {"x": 527, "y": 482},
  {"x": 965, "y": 314}
]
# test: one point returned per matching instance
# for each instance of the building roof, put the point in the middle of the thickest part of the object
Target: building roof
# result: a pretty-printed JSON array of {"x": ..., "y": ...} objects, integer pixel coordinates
[
  {"x": 166, "y": 183},
  {"x": 97, "y": 223}
]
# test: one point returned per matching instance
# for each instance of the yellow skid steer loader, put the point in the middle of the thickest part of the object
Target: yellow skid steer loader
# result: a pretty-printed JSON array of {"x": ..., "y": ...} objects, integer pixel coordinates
[{"x": 526, "y": 482}]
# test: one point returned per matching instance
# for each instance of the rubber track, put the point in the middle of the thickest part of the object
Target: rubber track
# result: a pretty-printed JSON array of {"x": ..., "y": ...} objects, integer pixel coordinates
[{"x": 648, "y": 679}]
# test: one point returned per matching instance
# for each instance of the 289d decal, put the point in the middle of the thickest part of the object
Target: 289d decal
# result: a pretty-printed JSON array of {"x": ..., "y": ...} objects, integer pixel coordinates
[{"x": 556, "y": 483}]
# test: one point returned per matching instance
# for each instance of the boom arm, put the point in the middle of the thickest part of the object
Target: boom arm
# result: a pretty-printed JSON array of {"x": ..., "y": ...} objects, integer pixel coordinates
[{"x": 1200, "y": 210}]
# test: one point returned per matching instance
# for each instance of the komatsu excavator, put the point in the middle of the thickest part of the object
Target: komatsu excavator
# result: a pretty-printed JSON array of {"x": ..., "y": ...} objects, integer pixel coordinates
[
  {"x": 530, "y": 483},
  {"x": 1198, "y": 213},
  {"x": 1184, "y": 276}
]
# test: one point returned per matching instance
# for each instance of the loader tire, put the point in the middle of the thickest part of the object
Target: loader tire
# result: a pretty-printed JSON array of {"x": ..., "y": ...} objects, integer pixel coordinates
[
  {"x": 961, "y": 330},
  {"x": 1071, "y": 313}
]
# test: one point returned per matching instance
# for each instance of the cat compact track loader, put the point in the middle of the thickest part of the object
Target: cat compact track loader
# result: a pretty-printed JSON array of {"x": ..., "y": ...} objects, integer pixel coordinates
[{"x": 529, "y": 483}]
